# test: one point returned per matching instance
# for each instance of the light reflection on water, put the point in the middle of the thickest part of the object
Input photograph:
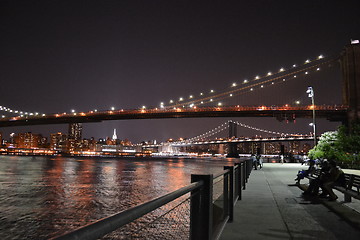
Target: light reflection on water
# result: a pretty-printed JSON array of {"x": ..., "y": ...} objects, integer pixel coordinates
[{"x": 43, "y": 197}]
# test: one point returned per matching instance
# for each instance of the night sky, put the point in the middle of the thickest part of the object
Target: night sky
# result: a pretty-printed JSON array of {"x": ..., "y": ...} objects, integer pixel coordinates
[{"x": 61, "y": 55}]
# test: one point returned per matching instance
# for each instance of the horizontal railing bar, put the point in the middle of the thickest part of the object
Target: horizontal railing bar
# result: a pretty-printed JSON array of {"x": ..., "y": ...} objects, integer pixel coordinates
[
  {"x": 217, "y": 232},
  {"x": 106, "y": 225},
  {"x": 221, "y": 173}
]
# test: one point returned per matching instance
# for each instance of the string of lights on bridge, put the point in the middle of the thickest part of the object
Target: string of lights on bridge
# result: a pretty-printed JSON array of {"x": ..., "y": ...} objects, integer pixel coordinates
[
  {"x": 222, "y": 127},
  {"x": 19, "y": 112},
  {"x": 270, "y": 78},
  {"x": 212, "y": 96}
]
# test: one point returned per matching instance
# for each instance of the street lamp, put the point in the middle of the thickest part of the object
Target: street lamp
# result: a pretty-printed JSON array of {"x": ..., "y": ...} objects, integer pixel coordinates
[{"x": 310, "y": 92}]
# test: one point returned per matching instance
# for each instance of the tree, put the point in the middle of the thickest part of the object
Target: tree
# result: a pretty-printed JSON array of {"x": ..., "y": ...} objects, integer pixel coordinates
[{"x": 342, "y": 145}]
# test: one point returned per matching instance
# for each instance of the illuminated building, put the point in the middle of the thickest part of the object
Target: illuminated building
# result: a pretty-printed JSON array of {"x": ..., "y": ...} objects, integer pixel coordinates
[
  {"x": 271, "y": 148},
  {"x": 74, "y": 137},
  {"x": 114, "y": 135},
  {"x": 27, "y": 140},
  {"x": 305, "y": 148},
  {"x": 58, "y": 141},
  {"x": 75, "y": 131},
  {"x": 294, "y": 147}
]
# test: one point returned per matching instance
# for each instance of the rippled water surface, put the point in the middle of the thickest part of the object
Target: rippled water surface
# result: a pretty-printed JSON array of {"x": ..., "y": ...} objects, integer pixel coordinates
[{"x": 42, "y": 197}]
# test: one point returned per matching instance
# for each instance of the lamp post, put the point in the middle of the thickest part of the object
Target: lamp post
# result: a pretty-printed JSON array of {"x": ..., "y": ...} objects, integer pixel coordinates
[{"x": 310, "y": 92}]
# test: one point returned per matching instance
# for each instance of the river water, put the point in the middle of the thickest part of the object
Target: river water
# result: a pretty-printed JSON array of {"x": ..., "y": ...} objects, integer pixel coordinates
[{"x": 43, "y": 197}]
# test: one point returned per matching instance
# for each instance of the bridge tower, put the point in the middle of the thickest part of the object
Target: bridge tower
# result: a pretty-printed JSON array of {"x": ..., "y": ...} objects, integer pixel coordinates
[
  {"x": 232, "y": 147},
  {"x": 350, "y": 66}
]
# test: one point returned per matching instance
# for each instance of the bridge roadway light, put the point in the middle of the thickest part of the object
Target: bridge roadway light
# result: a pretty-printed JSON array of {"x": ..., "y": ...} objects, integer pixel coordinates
[{"x": 310, "y": 92}]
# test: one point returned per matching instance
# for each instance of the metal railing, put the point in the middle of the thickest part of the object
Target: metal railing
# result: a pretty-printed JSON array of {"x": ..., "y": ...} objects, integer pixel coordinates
[{"x": 208, "y": 215}]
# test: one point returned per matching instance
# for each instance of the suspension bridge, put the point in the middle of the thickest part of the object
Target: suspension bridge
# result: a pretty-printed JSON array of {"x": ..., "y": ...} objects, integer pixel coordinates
[{"x": 202, "y": 105}]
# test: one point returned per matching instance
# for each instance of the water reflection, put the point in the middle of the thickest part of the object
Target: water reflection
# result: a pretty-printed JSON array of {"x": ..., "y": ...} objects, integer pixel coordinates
[{"x": 43, "y": 197}]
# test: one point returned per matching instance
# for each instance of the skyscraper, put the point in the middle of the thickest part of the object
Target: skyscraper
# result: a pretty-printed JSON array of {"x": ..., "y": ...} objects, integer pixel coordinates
[
  {"x": 114, "y": 137},
  {"x": 75, "y": 131}
]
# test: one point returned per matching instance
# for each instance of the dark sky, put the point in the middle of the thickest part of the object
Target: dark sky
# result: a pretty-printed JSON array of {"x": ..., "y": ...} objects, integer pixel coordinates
[{"x": 61, "y": 55}]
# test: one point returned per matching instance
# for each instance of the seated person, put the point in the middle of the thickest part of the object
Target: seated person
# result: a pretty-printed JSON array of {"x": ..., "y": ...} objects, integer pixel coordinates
[
  {"x": 303, "y": 173},
  {"x": 334, "y": 177}
]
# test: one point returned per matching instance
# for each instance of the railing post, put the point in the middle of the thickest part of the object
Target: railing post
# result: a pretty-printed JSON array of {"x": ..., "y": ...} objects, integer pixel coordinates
[
  {"x": 249, "y": 167},
  {"x": 347, "y": 197},
  {"x": 229, "y": 186},
  {"x": 244, "y": 172},
  {"x": 239, "y": 180},
  {"x": 201, "y": 211}
]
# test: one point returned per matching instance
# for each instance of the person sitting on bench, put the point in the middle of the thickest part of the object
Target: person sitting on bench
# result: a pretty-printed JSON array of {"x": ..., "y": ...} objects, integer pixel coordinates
[
  {"x": 303, "y": 173},
  {"x": 334, "y": 177}
]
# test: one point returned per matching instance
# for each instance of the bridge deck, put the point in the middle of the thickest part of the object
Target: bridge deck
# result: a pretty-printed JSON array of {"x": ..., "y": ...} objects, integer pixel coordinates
[{"x": 332, "y": 113}]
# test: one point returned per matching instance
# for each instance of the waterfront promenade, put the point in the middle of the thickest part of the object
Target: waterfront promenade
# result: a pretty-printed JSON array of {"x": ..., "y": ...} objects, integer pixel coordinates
[{"x": 272, "y": 208}]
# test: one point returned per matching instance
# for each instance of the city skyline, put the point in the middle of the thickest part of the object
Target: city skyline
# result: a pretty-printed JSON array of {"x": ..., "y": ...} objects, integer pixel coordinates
[{"x": 68, "y": 55}]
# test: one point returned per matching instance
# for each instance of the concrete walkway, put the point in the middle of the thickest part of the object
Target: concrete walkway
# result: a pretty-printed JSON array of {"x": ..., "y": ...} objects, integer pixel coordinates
[{"x": 272, "y": 208}]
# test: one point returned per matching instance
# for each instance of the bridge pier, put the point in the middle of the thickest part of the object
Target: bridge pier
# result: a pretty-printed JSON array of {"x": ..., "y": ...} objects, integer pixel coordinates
[
  {"x": 232, "y": 147},
  {"x": 350, "y": 66}
]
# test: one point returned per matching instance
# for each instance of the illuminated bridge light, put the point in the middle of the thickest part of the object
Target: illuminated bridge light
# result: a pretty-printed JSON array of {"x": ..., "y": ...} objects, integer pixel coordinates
[
  {"x": 281, "y": 70},
  {"x": 191, "y": 96},
  {"x": 307, "y": 61},
  {"x": 251, "y": 89},
  {"x": 181, "y": 99},
  {"x": 211, "y": 91},
  {"x": 320, "y": 56},
  {"x": 306, "y": 73},
  {"x": 201, "y": 94},
  {"x": 230, "y": 95},
  {"x": 257, "y": 77},
  {"x": 294, "y": 65},
  {"x": 318, "y": 69},
  {"x": 283, "y": 79},
  {"x": 234, "y": 84},
  {"x": 262, "y": 86},
  {"x": 294, "y": 76},
  {"x": 171, "y": 101},
  {"x": 269, "y": 73},
  {"x": 211, "y": 100},
  {"x": 112, "y": 108},
  {"x": 272, "y": 83},
  {"x": 245, "y": 81}
]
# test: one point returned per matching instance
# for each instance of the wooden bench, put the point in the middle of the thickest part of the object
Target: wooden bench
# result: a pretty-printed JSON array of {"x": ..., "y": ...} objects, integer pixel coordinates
[
  {"x": 314, "y": 175},
  {"x": 352, "y": 187}
]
